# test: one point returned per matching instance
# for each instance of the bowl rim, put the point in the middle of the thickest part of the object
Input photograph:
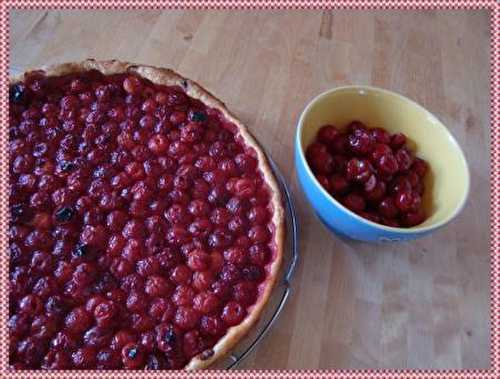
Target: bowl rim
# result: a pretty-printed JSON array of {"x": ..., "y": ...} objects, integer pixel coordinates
[{"x": 333, "y": 201}]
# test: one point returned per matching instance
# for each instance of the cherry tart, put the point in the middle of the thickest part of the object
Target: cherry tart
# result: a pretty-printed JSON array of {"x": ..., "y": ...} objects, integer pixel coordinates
[{"x": 146, "y": 228}]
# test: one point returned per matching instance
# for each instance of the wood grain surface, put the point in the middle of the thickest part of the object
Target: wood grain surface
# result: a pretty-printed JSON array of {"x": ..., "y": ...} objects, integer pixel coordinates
[{"x": 423, "y": 304}]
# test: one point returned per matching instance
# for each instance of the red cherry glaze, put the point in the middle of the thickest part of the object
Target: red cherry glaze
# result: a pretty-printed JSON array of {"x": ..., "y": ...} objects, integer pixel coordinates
[
  {"x": 371, "y": 172},
  {"x": 140, "y": 223}
]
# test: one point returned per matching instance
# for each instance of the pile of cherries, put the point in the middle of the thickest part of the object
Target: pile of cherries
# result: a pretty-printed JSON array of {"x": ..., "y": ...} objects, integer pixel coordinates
[
  {"x": 371, "y": 172},
  {"x": 140, "y": 225}
]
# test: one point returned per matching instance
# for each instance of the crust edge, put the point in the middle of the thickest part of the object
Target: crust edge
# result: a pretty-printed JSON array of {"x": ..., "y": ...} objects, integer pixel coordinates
[{"x": 165, "y": 76}]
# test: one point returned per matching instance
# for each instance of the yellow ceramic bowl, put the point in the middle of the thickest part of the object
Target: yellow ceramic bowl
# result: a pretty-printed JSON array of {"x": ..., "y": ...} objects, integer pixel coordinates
[{"x": 447, "y": 185}]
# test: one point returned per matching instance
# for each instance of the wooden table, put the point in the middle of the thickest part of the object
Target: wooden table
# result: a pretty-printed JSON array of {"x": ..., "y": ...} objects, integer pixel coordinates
[{"x": 423, "y": 304}]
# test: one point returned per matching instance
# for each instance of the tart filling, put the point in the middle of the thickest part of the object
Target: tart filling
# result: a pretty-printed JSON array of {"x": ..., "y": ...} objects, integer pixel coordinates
[{"x": 146, "y": 227}]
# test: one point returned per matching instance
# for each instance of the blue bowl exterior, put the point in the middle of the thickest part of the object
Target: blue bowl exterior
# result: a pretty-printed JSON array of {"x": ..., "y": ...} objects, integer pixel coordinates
[{"x": 336, "y": 218}]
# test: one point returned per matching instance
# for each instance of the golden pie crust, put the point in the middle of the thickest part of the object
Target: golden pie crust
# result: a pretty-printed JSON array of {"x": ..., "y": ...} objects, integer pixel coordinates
[{"x": 168, "y": 77}]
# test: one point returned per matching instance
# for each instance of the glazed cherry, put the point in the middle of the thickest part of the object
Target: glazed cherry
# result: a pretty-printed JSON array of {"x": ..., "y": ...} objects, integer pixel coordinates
[
  {"x": 199, "y": 208},
  {"x": 56, "y": 360},
  {"x": 370, "y": 216},
  {"x": 162, "y": 309},
  {"x": 97, "y": 337},
  {"x": 181, "y": 274},
  {"x": 252, "y": 273},
  {"x": 320, "y": 159},
  {"x": 259, "y": 254},
  {"x": 212, "y": 326},
  {"x": 94, "y": 236},
  {"x": 236, "y": 256},
  {"x": 202, "y": 280},
  {"x": 380, "y": 135},
  {"x": 136, "y": 301},
  {"x": 420, "y": 167},
  {"x": 360, "y": 142},
  {"x": 148, "y": 266},
  {"x": 233, "y": 313},
  {"x": 387, "y": 208},
  {"x": 245, "y": 293},
  {"x": 122, "y": 338},
  {"x": 141, "y": 322},
  {"x": 206, "y": 302},
  {"x": 259, "y": 234},
  {"x": 237, "y": 225},
  {"x": 388, "y": 164},
  {"x": 84, "y": 358},
  {"x": 105, "y": 314},
  {"x": 78, "y": 320},
  {"x": 327, "y": 134},
  {"x": 404, "y": 159},
  {"x": 400, "y": 183},
  {"x": 157, "y": 286},
  {"x": 244, "y": 188},
  {"x": 132, "y": 85},
  {"x": 191, "y": 133},
  {"x": 257, "y": 215},
  {"x": 132, "y": 356},
  {"x": 30, "y": 305},
  {"x": 198, "y": 260},
  {"x": 183, "y": 295},
  {"x": 325, "y": 183},
  {"x": 107, "y": 359},
  {"x": 186, "y": 318},
  {"x": 245, "y": 162},
  {"x": 178, "y": 117},
  {"x": 338, "y": 184},
  {"x": 379, "y": 150},
  {"x": 398, "y": 140},
  {"x": 358, "y": 170},
  {"x": 407, "y": 201},
  {"x": 193, "y": 343},
  {"x": 414, "y": 218},
  {"x": 355, "y": 202},
  {"x": 158, "y": 144},
  {"x": 376, "y": 191}
]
